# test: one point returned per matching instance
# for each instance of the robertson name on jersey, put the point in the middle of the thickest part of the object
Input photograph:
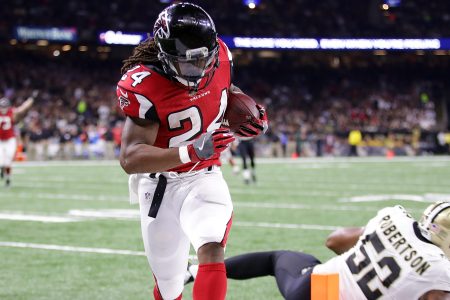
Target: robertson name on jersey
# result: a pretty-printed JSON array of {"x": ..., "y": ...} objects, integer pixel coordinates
[
  {"x": 147, "y": 94},
  {"x": 391, "y": 260}
]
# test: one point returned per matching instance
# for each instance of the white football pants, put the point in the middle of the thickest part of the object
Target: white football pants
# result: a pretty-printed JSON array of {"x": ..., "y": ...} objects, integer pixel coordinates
[
  {"x": 7, "y": 152},
  {"x": 196, "y": 208}
]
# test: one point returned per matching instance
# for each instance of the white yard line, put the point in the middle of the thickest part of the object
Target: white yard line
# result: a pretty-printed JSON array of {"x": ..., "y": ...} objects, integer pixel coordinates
[
  {"x": 286, "y": 226},
  {"x": 329, "y": 190},
  {"x": 78, "y": 181},
  {"x": 73, "y": 249},
  {"x": 91, "y": 184},
  {"x": 240, "y": 191},
  {"x": 67, "y": 186},
  {"x": 374, "y": 159},
  {"x": 36, "y": 218},
  {"x": 429, "y": 197},
  {"x": 275, "y": 205},
  {"x": 81, "y": 197},
  {"x": 84, "y": 215},
  {"x": 121, "y": 214},
  {"x": 314, "y": 160},
  {"x": 66, "y": 163},
  {"x": 291, "y": 193},
  {"x": 134, "y": 214}
]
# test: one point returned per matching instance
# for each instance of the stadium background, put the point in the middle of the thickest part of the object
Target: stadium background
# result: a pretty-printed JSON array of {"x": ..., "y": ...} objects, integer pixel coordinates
[{"x": 316, "y": 96}]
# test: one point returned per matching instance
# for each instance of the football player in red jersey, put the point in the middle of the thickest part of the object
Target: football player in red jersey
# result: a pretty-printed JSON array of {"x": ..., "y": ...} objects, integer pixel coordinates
[
  {"x": 174, "y": 92},
  {"x": 8, "y": 143}
]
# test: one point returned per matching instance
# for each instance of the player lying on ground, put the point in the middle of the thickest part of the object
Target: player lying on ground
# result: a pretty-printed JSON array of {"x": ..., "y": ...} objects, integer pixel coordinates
[{"x": 393, "y": 257}]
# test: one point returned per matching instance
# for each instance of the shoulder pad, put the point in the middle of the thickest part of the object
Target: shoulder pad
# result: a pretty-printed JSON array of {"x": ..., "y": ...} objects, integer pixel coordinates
[
  {"x": 133, "y": 78},
  {"x": 224, "y": 47}
]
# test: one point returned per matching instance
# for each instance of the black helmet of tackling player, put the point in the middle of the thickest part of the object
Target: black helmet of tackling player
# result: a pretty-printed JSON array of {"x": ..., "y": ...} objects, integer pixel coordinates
[
  {"x": 4, "y": 103},
  {"x": 187, "y": 44},
  {"x": 435, "y": 225}
]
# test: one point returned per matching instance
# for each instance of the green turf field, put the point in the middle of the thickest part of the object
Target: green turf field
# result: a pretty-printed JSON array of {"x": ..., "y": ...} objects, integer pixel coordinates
[{"x": 68, "y": 232}]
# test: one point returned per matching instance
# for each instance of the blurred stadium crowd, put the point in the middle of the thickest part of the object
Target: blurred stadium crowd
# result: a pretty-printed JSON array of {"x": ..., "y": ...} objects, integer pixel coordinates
[
  {"x": 311, "y": 110},
  {"x": 318, "y": 104},
  {"x": 75, "y": 115},
  {"x": 397, "y": 107}
]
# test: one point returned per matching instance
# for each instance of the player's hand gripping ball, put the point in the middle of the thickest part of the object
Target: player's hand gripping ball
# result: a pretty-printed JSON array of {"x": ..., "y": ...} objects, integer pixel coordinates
[
  {"x": 209, "y": 144},
  {"x": 244, "y": 117}
]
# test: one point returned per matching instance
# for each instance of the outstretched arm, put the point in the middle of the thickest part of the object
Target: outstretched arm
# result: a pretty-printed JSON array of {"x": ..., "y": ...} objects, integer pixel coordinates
[
  {"x": 23, "y": 108},
  {"x": 343, "y": 239}
]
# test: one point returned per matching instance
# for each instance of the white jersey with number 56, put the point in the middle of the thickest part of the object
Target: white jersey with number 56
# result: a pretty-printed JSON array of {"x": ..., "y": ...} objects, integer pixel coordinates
[{"x": 390, "y": 261}]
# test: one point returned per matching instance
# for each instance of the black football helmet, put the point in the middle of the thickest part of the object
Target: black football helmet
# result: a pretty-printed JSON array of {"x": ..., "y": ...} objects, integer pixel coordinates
[{"x": 187, "y": 44}]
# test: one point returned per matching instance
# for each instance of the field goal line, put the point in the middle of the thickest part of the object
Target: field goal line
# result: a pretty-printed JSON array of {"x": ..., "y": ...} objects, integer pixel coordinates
[{"x": 66, "y": 248}]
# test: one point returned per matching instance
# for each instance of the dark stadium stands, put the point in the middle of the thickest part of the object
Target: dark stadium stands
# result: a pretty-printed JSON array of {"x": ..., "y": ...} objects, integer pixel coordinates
[
  {"x": 314, "y": 101},
  {"x": 305, "y": 18}
]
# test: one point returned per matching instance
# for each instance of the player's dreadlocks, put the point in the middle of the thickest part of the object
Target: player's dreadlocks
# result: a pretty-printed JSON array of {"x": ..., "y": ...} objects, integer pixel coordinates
[{"x": 144, "y": 53}]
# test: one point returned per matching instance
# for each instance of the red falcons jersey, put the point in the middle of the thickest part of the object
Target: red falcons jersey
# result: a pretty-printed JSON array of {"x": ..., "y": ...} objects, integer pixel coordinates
[
  {"x": 6, "y": 124},
  {"x": 144, "y": 93}
]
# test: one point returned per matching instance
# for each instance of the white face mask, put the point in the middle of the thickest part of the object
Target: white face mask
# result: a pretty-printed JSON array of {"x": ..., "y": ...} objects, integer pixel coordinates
[
  {"x": 435, "y": 225},
  {"x": 194, "y": 65}
]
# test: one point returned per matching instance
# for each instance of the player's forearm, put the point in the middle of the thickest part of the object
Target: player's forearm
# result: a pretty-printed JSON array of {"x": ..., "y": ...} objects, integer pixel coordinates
[
  {"x": 436, "y": 295},
  {"x": 142, "y": 158},
  {"x": 25, "y": 106},
  {"x": 22, "y": 109},
  {"x": 343, "y": 239}
]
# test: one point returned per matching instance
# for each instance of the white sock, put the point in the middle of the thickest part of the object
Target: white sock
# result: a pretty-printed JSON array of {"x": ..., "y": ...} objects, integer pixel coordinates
[
  {"x": 246, "y": 174},
  {"x": 193, "y": 269}
]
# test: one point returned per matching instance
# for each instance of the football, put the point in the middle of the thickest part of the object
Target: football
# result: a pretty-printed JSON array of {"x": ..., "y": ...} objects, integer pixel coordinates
[{"x": 241, "y": 109}]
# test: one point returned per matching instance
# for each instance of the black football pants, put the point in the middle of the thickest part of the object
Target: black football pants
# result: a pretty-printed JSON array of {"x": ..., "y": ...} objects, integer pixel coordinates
[
  {"x": 292, "y": 270},
  {"x": 247, "y": 149}
]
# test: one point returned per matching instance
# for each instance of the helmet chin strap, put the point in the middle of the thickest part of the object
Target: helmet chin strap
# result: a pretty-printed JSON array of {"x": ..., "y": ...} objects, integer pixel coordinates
[
  {"x": 186, "y": 82},
  {"x": 189, "y": 84}
]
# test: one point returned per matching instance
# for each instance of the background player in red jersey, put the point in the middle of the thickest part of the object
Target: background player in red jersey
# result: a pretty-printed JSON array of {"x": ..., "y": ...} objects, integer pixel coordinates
[
  {"x": 8, "y": 144},
  {"x": 174, "y": 92}
]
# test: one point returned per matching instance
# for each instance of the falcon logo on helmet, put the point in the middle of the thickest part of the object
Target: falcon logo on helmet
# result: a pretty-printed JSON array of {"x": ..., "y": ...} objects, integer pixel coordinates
[
  {"x": 187, "y": 44},
  {"x": 435, "y": 225},
  {"x": 162, "y": 30}
]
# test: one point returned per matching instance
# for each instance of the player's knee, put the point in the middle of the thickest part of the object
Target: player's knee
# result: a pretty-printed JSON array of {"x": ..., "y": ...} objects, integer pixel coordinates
[
  {"x": 210, "y": 253},
  {"x": 171, "y": 289}
]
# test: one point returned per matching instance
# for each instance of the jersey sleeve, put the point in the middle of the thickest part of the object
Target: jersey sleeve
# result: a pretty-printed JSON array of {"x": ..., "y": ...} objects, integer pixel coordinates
[
  {"x": 224, "y": 46},
  {"x": 227, "y": 56},
  {"x": 134, "y": 104}
]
